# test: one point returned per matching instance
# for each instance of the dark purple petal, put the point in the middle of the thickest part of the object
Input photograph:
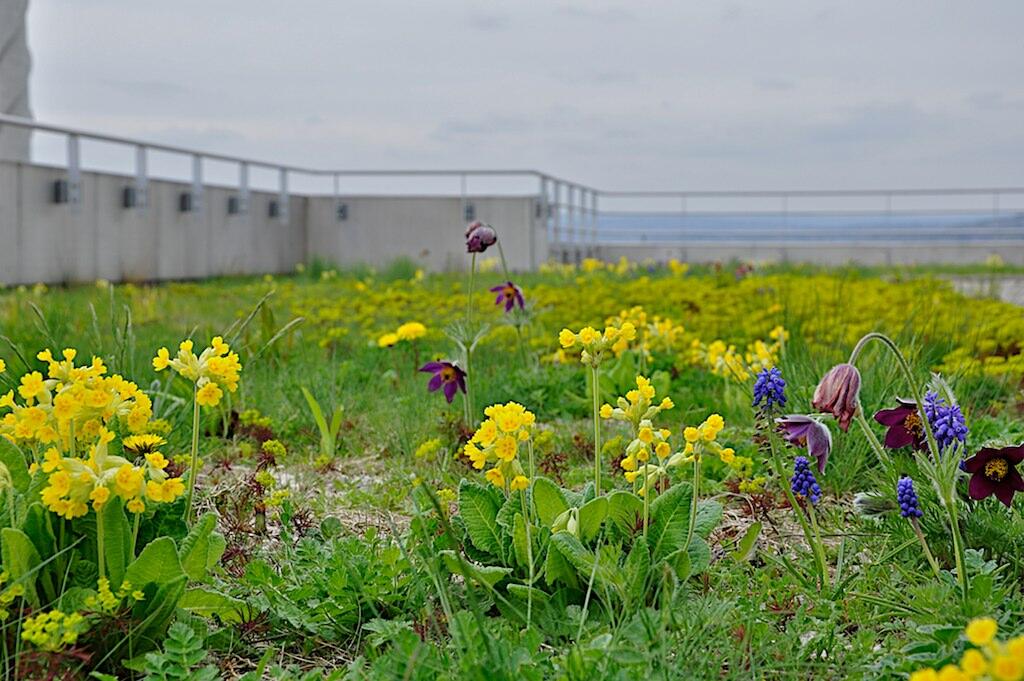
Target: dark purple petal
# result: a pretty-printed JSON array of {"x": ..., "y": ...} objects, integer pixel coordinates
[
  {"x": 978, "y": 461},
  {"x": 449, "y": 390},
  {"x": 897, "y": 437},
  {"x": 892, "y": 417},
  {"x": 980, "y": 486},
  {"x": 1005, "y": 492},
  {"x": 432, "y": 366},
  {"x": 497, "y": 289},
  {"x": 1013, "y": 454},
  {"x": 435, "y": 382},
  {"x": 819, "y": 444}
]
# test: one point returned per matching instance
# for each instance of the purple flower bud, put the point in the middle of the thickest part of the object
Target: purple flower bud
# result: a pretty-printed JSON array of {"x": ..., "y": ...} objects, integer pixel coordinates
[
  {"x": 479, "y": 237},
  {"x": 837, "y": 394},
  {"x": 803, "y": 431}
]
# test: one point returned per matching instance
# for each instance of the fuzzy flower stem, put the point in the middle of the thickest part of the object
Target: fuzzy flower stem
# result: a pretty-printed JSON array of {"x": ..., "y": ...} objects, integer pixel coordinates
[
  {"x": 100, "y": 550},
  {"x": 519, "y": 331},
  {"x": 529, "y": 558},
  {"x": 694, "y": 499},
  {"x": 194, "y": 458},
  {"x": 135, "y": 533},
  {"x": 469, "y": 347},
  {"x": 947, "y": 492},
  {"x": 596, "y": 374},
  {"x": 647, "y": 503},
  {"x": 819, "y": 548},
  {"x": 790, "y": 497},
  {"x": 876, "y": 446},
  {"x": 529, "y": 449},
  {"x": 924, "y": 545}
]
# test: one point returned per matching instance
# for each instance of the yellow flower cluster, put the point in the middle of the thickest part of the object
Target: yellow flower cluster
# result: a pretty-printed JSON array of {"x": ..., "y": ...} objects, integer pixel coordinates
[
  {"x": 654, "y": 332},
  {"x": 106, "y": 601},
  {"x": 409, "y": 331},
  {"x": 215, "y": 370},
  {"x": 638, "y": 409},
  {"x": 989, "y": 659},
  {"x": 497, "y": 441},
  {"x": 8, "y": 595},
  {"x": 74, "y": 483},
  {"x": 53, "y": 630},
  {"x": 595, "y": 344},
  {"x": 71, "y": 403},
  {"x": 725, "y": 360}
]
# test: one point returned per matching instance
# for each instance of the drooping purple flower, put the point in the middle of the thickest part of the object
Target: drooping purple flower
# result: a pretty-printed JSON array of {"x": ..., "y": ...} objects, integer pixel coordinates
[
  {"x": 479, "y": 237},
  {"x": 448, "y": 375},
  {"x": 947, "y": 421},
  {"x": 994, "y": 471},
  {"x": 769, "y": 390},
  {"x": 904, "y": 424},
  {"x": 803, "y": 431},
  {"x": 837, "y": 394},
  {"x": 906, "y": 497},
  {"x": 803, "y": 482},
  {"x": 509, "y": 294}
]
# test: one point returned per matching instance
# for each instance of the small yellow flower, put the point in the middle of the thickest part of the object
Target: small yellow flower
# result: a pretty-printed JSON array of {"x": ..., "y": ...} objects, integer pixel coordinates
[
  {"x": 691, "y": 434},
  {"x": 506, "y": 448},
  {"x": 162, "y": 359},
  {"x": 387, "y": 340},
  {"x": 925, "y": 675},
  {"x": 209, "y": 395},
  {"x": 520, "y": 482},
  {"x": 566, "y": 338},
  {"x": 1007, "y": 668},
  {"x": 981, "y": 631},
  {"x": 606, "y": 411},
  {"x": 973, "y": 663},
  {"x": 495, "y": 477}
]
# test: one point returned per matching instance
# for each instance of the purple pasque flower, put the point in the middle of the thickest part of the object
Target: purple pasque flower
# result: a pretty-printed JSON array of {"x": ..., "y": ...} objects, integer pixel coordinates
[
  {"x": 479, "y": 237},
  {"x": 448, "y": 375},
  {"x": 769, "y": 389},
  {"x": 904, "y": 424},
  {"x": 994, "y": 471},
  {"x": 948, "y": 423},
  {"x": 906, "y": 497},
  {"x": 837, "y": 394},
  {"x": 510, "y": 294},
  {"x": 803, "y": 482},
  {"x": 803, "y": 431}
]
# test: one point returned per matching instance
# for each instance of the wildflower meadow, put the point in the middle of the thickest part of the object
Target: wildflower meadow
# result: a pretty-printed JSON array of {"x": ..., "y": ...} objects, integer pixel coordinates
[{"x": 594, "y": 471}]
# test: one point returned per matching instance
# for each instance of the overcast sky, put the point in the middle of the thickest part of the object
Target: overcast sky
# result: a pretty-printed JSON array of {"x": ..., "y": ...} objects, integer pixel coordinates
[{"x": 668, "y": 95}]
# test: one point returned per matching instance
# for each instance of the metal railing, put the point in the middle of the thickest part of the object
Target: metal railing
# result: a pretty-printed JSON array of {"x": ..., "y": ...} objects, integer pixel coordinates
[{"x": 576, "y": 213}]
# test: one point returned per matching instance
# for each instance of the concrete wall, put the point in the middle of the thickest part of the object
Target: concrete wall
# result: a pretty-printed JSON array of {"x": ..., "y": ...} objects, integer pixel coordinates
[
  {"x": 42, "y": 241},
  {"x": 15, "y": 64},
  {"x": 891, "y": 253}
]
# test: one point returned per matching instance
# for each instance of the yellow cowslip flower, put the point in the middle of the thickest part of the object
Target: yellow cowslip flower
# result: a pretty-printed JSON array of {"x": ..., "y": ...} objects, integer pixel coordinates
[
  {"x": 216, "y": 364},
  {"x": 973, "y": 663},
  {"x": 166, "y": 491},
  {"x": 506, "y": 448},
  {"x": 99, "y": 497},
  {"x": 3, "y": 367},
  {"x": 128, "y": 481},
  {"x": 209, "y": 395},
  {"x": 924, "y": 675},
  {"x": 1007, "y": 668},
  {"x": 606, "y": 411},
  {"x": 646, "y": 435},
  {"x": 588, "y": 335},
  {"x": 566, "y": 338},
  {"x": 53, "y": 630},
  {"x": 387, "y": 340},
  {"x": 981, "y": 631},
  {"x": 520, "y": 482},
  {"x": 691, "y": 434},
  {"x": 478, "y": 458},
  {"x": 951, "y": 672},
  {"x": 495, "y": 477},
  {"x": 31, "y": 385},
  {"x": 1015, "y": 646}
]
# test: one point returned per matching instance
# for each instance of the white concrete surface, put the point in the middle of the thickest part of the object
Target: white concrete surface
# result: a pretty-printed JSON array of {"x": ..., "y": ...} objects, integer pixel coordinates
[{"x": 15, "y": 64}]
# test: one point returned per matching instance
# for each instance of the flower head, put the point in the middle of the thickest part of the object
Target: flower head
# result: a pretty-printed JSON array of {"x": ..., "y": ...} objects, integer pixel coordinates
[
  {"x": 803, "y": 431},
  {"x": 769, "y": 389},
  {"x": 994, "y": 471},
  {"x": 837, "y": 394},
  {"x": 803, "y": 483},
  {"x": 509, "y": 294},
  {"x": 904, "y": 425},
  {"x": 479, "y": 237},
  {"x": 947, "y": 421},
  {"x": 906, "y": 497},
  {"x": 448, "y": 375},
  {"x": 217, "y": 365}
]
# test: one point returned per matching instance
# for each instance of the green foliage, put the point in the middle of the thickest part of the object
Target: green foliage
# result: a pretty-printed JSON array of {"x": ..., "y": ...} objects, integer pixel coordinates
[{"x": 181, "y": 659}]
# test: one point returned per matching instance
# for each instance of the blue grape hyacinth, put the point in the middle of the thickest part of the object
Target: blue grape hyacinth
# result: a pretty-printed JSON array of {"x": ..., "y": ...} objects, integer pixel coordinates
[
  {"x": 769, "y": 389},
  {"x": 947, "y": 421},
  {"x": 906, "y": 497},
  {"x": 803, "y": 482}
]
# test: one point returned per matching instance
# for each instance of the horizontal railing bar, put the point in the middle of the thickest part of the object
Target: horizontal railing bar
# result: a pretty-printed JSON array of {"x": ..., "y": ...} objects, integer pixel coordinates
[
  {"x": 799, "y": 193},
  {"x": 1004, "y": 213}
]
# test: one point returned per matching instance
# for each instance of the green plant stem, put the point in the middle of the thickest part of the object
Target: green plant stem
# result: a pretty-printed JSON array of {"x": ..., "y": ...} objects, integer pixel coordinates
[
  {"x": 10, "y": 506},
  {"x": 135, "y": 533},
  {"x": 596, "y": 375},
  {"x": 694, "y": 500},
  {"x": 946, "y": 489},
  {"x": 99, "y": 544},
  {"x": 529, "y": 558},
  {"x": 924, "y": 545},
  {"x": 647, "y": 502},
  {"x": 869, "y": 434},
  {"x": 529, "y": 450},
  {"x": 194, "y": 458},
  {"x": 519, "y": 331},
  {"x": 791, "y": 498},
  {"x": 469, "y": 346},
  {"x": 819, "y": 548}
]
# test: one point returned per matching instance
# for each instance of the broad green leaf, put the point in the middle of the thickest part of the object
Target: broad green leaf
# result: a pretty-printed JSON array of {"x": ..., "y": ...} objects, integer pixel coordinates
[
  {"x": 591, "y": 516},
  {"x": 207, "y": 603},
  {"x": 117, "y": 540},
  {"x": 745, "y": 547},
  {"x": 580, "y": 558},
  {"x": 478, "y": 507},
  {"x": 519, "y": 543},
  {"x": 670, "y": 518},
  {"x": 508, "y": 511},
  {"x": 201, "y": 548},
  {"x": 38, "y": 527},
  {"x": 558, "y": 569},
  {"x": 548, "y": 501},
  {"x": 20, "y": 561},
  {"x": 521, "y": 591},
  {"x": 158, "y": 563},
  {"x": 681, "y": 563},
  {"x": 624, "y": 509},
  {"x": 709, "y": 514},
  {"x": 636, "y": 569},
  {"x": 14, "y": 460},
  {"x": 157, "y": 609},
  {"x": 487, "y": 575},
  {"x": 700, "y": 555}
]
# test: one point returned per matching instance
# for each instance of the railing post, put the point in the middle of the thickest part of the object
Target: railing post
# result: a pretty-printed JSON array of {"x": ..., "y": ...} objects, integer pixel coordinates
[
  {"x": 197, "y": 182},
  {"x": 74, "y": 171},
  {"x": 462, "y": 198},
  {"x": 141, "y": 178},
  {"x": 282, "y": 213},
  {"x": 595, "y": 215},
  {"x": 243, "y": 188},
  {"x": 557, "y": 222}
]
